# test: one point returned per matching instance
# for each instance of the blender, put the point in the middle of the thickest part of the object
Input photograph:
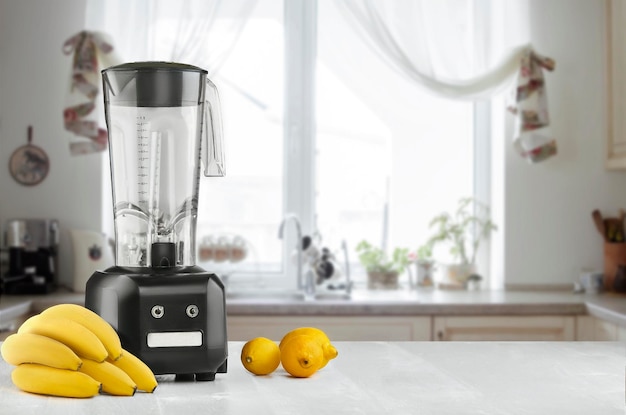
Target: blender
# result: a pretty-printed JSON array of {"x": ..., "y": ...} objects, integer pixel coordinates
[{"x": 163, "y": 119}]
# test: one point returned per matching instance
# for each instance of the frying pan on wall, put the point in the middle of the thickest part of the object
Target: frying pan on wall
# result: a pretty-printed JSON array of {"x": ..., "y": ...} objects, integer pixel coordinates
[{"x": 29, "y": 164}]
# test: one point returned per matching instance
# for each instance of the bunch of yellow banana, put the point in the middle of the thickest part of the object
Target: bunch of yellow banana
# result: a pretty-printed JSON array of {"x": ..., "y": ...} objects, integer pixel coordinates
[{"x": 68, "y": 350}]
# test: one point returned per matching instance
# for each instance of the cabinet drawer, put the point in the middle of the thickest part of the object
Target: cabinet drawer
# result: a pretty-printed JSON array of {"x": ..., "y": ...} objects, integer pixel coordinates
[
  {"x": 503, "y": 328},
  {"x": 357, "y": 328},
  {"x": 589, "y": 328}
]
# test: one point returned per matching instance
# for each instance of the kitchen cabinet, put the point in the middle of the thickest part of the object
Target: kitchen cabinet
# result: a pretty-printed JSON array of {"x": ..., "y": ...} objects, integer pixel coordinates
[
  {"x": 338, "y": 328},
  {"x": 589, "y": 328},
  {"x": 422, "y": 328},
  {"x": 616, "y": 85},
  {"x": 504, "y": 328}
]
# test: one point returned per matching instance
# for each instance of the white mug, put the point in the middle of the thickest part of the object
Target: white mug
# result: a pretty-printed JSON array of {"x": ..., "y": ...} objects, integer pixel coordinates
[{"x": 93, "y": 251}]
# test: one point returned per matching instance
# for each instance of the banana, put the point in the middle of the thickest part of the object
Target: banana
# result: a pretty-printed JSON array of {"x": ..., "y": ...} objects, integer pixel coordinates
[
  {"x": 114, "y": 380},
  {"x": 100, "y": 327},
  {"x": 33, "y": 348},
  {"x": 74, "y": 335},
  {"x": 47, "y": 380},
  {"x": 138, "y": 371}
]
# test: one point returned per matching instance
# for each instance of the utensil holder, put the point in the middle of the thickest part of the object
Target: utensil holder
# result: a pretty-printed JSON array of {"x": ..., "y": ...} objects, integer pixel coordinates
[{"x": 614, "y": 255}]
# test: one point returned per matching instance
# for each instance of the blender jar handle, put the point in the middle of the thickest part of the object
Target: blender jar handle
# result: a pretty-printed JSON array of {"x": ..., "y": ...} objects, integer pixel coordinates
[{"x": 213, "y": 154}]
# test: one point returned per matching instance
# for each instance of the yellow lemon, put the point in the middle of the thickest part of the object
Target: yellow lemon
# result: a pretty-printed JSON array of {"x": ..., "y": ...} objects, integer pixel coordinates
[
  {"x": 309, "y": 331},
  {"x": 260, "y": 356},
  {"x": 302, "y": 355},
  {"x": 328, "y": 349}
]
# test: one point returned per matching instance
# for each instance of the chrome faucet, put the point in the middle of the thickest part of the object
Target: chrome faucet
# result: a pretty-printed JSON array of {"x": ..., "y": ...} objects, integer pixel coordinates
[
  {"x": 344, "y": 248},
  {"x": 294, "y": 218}
]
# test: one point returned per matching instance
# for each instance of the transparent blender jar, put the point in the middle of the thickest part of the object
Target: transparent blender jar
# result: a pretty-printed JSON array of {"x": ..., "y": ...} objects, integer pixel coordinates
[{"x": 159, "y": 117}]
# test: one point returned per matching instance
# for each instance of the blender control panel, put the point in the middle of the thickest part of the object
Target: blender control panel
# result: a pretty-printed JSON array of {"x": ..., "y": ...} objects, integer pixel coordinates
[
  {"x": 174, "y": 338},
  {"x": 173, "y": 321}
]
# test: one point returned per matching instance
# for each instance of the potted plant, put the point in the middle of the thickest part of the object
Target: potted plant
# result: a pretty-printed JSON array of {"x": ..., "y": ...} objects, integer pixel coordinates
[
  {"x": 463, "y": 230},
  {"x": 382, "y": 271}
]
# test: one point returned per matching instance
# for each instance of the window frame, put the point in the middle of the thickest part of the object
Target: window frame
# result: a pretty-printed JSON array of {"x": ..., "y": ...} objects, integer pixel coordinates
[{"x": 299, "y": 128}]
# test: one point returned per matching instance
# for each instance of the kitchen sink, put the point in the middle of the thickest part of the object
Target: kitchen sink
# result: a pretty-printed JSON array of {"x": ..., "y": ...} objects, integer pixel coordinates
[{"x": 263, "y": 295}]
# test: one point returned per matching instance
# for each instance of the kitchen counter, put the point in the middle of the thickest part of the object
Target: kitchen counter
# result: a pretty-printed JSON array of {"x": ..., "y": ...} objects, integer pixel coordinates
[
  {"x": 379, "y": 377},
  {"x": 608, "y": 306},
  {"x": 12, "y": 308},
  {"x": 412, "y": 303}
]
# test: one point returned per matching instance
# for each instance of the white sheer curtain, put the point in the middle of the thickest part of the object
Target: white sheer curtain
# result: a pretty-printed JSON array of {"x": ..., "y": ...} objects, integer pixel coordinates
[
  {"x": 196, "y": 32},
  {"x": 421, "y": 40}
]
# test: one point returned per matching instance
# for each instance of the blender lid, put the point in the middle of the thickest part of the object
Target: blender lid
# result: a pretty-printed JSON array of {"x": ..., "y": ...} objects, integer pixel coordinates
[
  {"x": 155, "y": 66},
  {"x": 153, "y": 84}
]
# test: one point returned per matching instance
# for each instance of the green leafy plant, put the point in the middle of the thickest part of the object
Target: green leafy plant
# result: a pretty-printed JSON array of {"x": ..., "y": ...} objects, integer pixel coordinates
[
  {"x": 375, "y": 259},
  {"x": 424, "y": 253},
  {"x": 463, "y": 229}
]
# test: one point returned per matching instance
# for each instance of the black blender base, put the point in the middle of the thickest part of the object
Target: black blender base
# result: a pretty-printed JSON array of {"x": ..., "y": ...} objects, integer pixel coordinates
[
  {"x": 202, "y": 377},
  {"x": 223, "y": 368},
  {"x": 184, "y": 377},
  {"x": 174, "y": 320},
  {"x": 205, "y": 376}
]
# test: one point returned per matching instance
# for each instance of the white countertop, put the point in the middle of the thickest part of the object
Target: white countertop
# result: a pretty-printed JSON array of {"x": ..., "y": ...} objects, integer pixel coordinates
[{"x": 384, "y": 378}]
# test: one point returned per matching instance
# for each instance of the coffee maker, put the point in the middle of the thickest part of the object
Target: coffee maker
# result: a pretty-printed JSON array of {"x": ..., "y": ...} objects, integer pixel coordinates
[
  {"x": 32, "y": 246},
  {"x": 163, "y": 119}
]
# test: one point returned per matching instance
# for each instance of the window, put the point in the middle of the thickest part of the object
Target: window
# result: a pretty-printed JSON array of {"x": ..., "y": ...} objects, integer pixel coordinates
[{"x": 317, "y": 125}]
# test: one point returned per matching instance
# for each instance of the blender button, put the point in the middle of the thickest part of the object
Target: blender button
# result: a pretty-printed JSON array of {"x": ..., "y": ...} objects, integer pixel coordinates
[
  {"x": 157, "y": 311},
  {"x": 192, "y": 310}
]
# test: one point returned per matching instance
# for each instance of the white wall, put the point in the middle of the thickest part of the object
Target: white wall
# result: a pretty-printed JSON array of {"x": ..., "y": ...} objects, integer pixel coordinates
[
  {"x": 34, "y": 81},
  {"x": 547, "y": 229},
  {"x": 549, "y": 234}
]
